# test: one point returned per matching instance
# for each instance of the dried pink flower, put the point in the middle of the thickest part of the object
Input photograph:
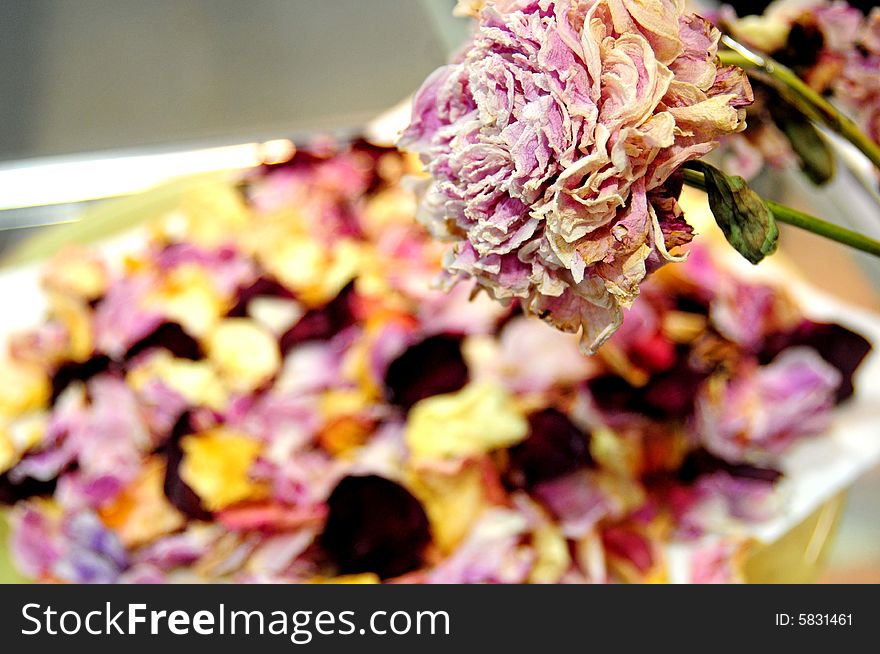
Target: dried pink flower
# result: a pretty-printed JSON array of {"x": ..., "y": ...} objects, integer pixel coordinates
[{"x": 551, "y": 144}]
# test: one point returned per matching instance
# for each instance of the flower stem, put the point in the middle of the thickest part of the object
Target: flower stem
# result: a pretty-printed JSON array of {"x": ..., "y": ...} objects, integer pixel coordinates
[
  {"x": 803, "y": 220},
  {"x": 800, "y": 95}
]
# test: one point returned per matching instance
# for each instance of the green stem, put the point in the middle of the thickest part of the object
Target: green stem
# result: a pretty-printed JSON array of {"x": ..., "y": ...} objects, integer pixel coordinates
[
  {"x": 803, "y": 220},
  {"x": 800, "y": 95}
]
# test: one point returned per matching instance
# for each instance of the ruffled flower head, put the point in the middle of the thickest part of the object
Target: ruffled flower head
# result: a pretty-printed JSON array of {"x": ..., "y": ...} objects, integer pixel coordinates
[{"x": 552, "y": 144}]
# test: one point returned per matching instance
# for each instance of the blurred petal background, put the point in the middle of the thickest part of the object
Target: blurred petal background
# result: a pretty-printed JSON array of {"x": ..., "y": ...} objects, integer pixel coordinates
[{"x": 107, "y": 97}]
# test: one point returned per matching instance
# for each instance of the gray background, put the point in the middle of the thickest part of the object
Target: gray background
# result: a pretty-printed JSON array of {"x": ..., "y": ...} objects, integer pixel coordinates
[{"x": 90, "y": 75}]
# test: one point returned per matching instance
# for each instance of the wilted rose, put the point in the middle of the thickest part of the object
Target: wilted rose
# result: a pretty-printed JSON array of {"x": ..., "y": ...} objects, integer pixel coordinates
[{"x": 552, "y": 143}]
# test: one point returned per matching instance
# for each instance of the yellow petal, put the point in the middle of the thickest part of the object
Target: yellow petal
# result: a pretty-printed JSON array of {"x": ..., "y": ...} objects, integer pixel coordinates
[
  {"x": 188, "y": 296},
  {"x": 299, "y": 263},
  {"x": 343, "y": 402},
  {"x": 553, "y": 557},
  {"x": 477, "y": 419},
  {"x": 619, "y": 454},
  {"x": 314, "y": 272},
  {"x": 216, "y": 465},
  {"x": 363, "y": 578},
  {"x": 8, "y": 454},
  {"x": 452, "y": 501},
  {"x": 210, "y": 214},
  {"x": 23, "y": 387},
  {"x": 76, "y": 271},
  {"x": 19, "y": 435},
  {"x": 356, "y": 367},
  {"x": 141, "y": 513},
  {"x": 770, "y": 29},
  {"x": 245, "y": 353},
  {"x": 74, "y": 314},
  {"x": 393, "y": 206},
  {"x": 341, "y": 436},
  {"x": 197, "y": 381},
  {"x": 275, "y": 314}
]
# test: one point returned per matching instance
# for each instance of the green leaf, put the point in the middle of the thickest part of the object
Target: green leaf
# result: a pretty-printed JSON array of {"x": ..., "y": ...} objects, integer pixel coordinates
[
  {"x": 744, "y": 217},
  {"x": 813, "y": 151}
]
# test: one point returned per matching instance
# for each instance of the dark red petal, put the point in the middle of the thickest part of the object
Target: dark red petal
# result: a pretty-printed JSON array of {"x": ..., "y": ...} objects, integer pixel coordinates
[
  {"x": 181, "y": 496},
  {"x": 375, "y": 525},
  {"x": 72, "y": 371},
  {"x": 700, "y": 462},
  {"x": 11, "y": 493},
  {"x": 432, "y": 367},
  {"x": 672, "y": 393},
  {"x": 323, "y": 323},
  {"x": 262, "y": 287},
  {"x": 172, "y": 337},
  {"x": 669, "y": 395},
  {"x": 554, "y": 447},
  {"x": 804, "y": 46}
]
